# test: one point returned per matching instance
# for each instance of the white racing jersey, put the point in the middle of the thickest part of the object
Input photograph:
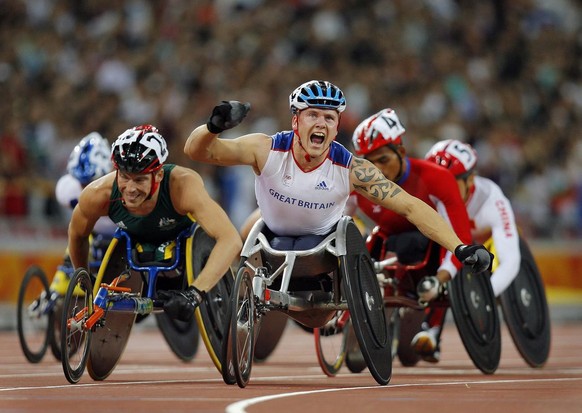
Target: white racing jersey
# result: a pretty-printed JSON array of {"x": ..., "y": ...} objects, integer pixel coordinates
[
  {"x": 294, "y": 202},
  {"x": 491, "y": 215}
]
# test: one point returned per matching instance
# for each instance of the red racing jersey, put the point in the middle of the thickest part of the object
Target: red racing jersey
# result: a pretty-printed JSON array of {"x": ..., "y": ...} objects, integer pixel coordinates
[{"x": 437, "y": 187}]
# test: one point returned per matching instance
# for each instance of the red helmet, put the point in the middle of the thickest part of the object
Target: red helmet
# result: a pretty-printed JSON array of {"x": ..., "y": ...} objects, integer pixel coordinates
[
  {"x": 383, "y": 128},
  {"x": 460, "y": 158}
]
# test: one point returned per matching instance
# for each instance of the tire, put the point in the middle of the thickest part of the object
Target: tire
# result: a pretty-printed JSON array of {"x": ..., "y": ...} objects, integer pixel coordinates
[
  {"x": 34, "y": 321},
  {"x": 182, "y": 336},
  {"x": 75, "y": 339},
  {"x": 366, "y": 305},
  {"x": 331, "y": 343},
  {"x": 354, "y": 359},
  {"x": 475, "y": 313},
  {"x": 526, "y": 313},
  {"x": 273, "y": 325},
  {"x": 410, "y": 324},
  {"x": 212, "y": 315},
  {"x": 55, "y": 336},
  {"x": 242, "y": 326}
]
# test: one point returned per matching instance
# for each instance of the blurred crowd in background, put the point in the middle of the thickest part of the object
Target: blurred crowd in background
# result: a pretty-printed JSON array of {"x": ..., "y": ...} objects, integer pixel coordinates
[{"x": 505, "y": 76}]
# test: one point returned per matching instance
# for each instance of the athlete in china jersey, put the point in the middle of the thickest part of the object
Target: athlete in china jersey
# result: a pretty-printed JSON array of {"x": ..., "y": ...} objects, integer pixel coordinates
[
  {"x": 492, "y": 216},
  {"x": 435, "y": 186},
  {"x": 294, "y": 202}
]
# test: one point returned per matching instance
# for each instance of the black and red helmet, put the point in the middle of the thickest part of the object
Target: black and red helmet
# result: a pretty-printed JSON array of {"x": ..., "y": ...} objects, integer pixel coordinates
[{"x": 140, "y": 149}]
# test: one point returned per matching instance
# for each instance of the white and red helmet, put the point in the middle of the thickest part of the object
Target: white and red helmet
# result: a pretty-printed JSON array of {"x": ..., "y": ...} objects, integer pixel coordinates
[
  {"x": 382, "y": 128},
  {"x": 460, "y": 158}
]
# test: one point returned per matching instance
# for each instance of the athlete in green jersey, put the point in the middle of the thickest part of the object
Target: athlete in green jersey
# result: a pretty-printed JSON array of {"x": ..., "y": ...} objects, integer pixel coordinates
[{"x": 153, "y": 202}]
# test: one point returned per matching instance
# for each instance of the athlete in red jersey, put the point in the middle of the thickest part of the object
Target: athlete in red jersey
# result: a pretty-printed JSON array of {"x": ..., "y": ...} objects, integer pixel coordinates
[{"x": 379, "y": 139}]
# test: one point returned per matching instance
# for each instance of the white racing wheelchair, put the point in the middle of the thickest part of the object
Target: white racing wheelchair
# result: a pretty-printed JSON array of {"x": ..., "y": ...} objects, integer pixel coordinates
[{"x": 310, "y": 287}]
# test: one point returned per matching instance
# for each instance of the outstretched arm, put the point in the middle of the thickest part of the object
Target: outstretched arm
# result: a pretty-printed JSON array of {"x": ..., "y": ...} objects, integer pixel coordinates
[
  {"x": 190, "y": 197},
  {"x": 371, "y": 183},
  {"x": 203, "y": 145}
]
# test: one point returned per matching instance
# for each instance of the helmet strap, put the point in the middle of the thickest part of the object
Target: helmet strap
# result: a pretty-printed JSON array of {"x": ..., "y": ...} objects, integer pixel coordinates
[
  {"x": 400, "y": 159},
  {"x": 154, "y": 186}
]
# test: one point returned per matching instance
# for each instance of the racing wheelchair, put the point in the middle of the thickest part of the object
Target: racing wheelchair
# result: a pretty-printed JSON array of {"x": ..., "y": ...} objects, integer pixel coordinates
[
  {"x": 470, "y": 297},
  {"x": 309, "y": 286},
  {"x": 100, "y": 313}
]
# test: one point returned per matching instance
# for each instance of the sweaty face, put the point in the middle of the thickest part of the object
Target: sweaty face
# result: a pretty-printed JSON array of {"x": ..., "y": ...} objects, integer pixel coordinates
[
  {"x": 135, "y": 188},
  {"x": 387, "y": 161},
  {"x": 316, "y": 128}
]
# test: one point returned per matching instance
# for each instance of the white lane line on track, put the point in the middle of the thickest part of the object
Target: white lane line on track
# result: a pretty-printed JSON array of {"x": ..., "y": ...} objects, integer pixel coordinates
[{"x": 240, "y": 406}]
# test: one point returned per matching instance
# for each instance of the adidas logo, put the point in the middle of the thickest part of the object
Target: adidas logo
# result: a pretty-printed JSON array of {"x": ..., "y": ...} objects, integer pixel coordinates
[{"x": 322, "y": 186}]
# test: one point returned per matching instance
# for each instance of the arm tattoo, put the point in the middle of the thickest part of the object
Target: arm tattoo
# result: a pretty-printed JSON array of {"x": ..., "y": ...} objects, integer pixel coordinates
[{"x": 370, "y": 179}]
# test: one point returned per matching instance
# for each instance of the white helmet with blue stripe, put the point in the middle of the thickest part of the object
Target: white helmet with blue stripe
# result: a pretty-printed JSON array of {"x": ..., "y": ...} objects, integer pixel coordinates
[{"x": 317, "y": 94}]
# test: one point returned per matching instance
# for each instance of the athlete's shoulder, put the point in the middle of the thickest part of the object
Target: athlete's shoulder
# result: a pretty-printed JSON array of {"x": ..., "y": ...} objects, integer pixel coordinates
[
  {"x": 282, "y": 141},
  {"x": 339, "y": 154}
]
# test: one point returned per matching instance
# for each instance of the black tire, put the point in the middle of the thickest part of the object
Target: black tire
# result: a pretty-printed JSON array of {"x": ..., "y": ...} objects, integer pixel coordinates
[
  {"x": 181, "y": 336},
  {"x": 33, "y": 316},
  {"x": 75, "y": 339},
  {"x": 273, "y": 325},
  {"x": 212, "y": 315},
  {"x": 55, "y": 336},
  {"x": 354, "y": 359},
  {"x": 393, "y": 319},
  {"x": 475, "y": 313},
  {"x": 227, "y": 365},
  {"x": 366, "y": 305},
  {"x": 242, "y": 326},
  {"x": 410, "y": 324},
  {"x": 331, "y": 343},
  {"x": 525, "y": 311}
]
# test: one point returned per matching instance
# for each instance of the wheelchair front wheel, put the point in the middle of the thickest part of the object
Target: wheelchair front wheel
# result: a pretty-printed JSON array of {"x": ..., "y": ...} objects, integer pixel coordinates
[
  {"x": 242, "y": 326},
  {"x": 34, "y": 321},
  {"x": 75, "y": 339}
]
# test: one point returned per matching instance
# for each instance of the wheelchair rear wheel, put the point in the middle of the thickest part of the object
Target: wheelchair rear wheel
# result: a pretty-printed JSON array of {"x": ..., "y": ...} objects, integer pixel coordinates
[
  {"x": 182, "y": 336},
  {"x": 366, "y": 305},
  {"x": 75, "y": 340},
  {"x": 34, "y": 315},
  {"x": 272, "y": 328},
  {"x": 476, "y": 317},
  {"x": 242, "y": 327},
  {"x": 525, "y": 311},
  {"x": 109, "y": 342},
  {"x": 212, "y": 315},
  {"x": 410, "y": 324}
]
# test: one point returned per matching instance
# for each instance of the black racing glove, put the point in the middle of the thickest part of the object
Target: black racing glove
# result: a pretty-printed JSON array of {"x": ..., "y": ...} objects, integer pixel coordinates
[
  {"x": 181, "y": 304},
  {"x": 227, "y": 115},
  {"x": 475, "y": 256}
]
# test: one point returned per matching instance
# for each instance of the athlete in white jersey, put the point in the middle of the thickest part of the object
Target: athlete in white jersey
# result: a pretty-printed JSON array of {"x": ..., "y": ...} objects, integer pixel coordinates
[
  {"x": 88, "y": 161},
  {"x": 293, "y": 194},
  {"x": 296, "y": 202},
  {"x": 489, "y": 210}
]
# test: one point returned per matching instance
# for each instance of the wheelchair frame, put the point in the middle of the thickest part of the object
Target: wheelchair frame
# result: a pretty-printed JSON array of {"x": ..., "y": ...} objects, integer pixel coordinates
[
  {"x": 110, "y": 298},
  {"x": 252, "y": 297}
]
